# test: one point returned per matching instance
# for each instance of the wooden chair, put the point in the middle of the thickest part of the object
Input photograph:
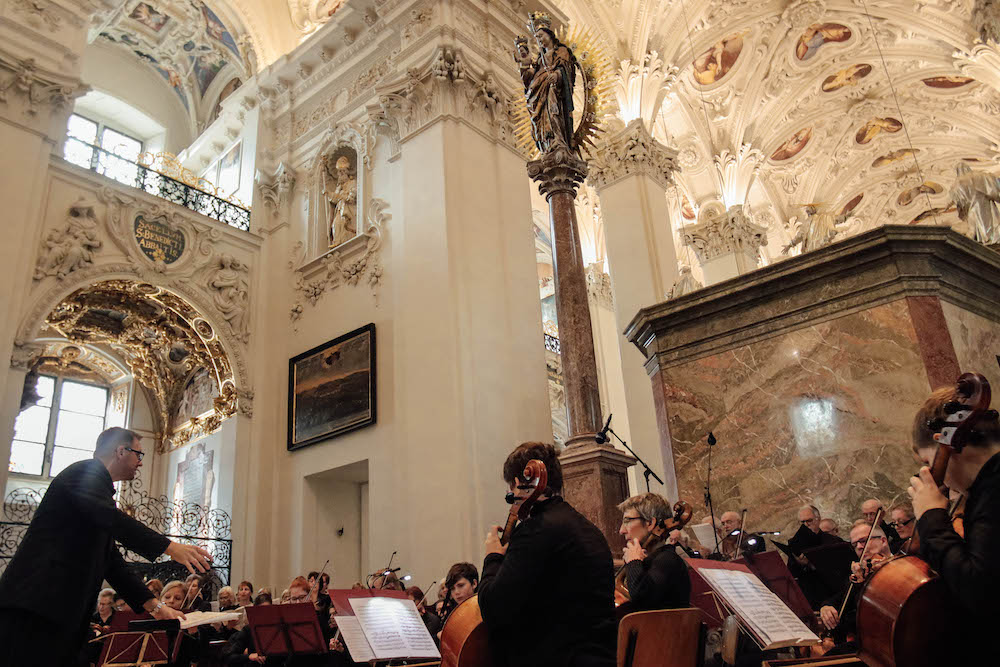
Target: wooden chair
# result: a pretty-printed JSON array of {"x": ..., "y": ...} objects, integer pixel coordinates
[{"x": 664, "y": 638}]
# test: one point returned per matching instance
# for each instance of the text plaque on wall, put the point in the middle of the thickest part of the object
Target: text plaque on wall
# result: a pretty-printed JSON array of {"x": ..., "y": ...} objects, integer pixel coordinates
[{"x": 158, "y": 241}]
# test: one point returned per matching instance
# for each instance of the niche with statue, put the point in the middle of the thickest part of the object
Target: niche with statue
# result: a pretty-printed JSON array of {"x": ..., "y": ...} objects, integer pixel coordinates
[{"x": 339, "y": 175}]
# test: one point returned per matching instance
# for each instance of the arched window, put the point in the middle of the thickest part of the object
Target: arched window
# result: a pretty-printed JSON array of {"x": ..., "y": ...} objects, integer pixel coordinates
[{"x": 61, "y": 428}]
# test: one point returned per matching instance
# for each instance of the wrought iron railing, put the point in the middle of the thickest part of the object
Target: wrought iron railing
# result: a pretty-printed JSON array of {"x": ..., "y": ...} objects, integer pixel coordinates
[
  {"x": 187, "y": 523},
  {"x": 552, "y": 343},
  {"x": 153, "y": 182}
]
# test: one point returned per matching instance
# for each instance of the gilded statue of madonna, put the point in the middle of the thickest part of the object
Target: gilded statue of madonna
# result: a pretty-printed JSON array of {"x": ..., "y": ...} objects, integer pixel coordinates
[{"x": 548, "y": 81}]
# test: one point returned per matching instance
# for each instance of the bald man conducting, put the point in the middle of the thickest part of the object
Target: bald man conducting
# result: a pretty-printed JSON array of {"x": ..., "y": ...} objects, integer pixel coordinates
[{"x": 48, "y": 590}]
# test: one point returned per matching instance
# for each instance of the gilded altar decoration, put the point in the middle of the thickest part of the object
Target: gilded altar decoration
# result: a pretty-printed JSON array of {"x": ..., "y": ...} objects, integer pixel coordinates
[
  {"x": 557, "y": 113},
  {"x": 977, "y": 194},
  {"x": 158, "y": 241},
  {"x": 340, "y": 191},
  {"x": 165, "y": 343}
]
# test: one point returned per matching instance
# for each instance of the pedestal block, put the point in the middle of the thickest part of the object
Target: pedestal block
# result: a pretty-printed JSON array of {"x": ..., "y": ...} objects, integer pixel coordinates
[{"x": 595, "y": 482}]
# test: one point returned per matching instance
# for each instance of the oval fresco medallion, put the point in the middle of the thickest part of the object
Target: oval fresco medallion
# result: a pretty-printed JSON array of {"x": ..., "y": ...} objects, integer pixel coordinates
[
  {"x": 715, "y": 63},
  {"x": 947, "y": 82},
  {"x": 792, "y": 146},
  {"x": 817, "y": 35},
  {"x": 851, "y": 205},
  {"x": 926, "y": 188},
  {"x": 894, "y": 156},
  {"x": 849, "y": 76},
  {"x": 876, "y": 126}
]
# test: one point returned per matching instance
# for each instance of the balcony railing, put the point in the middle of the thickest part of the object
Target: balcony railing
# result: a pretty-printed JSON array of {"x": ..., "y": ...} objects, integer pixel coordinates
[
  {"x": 153, "y": 182},
  {"x": 552, "y": 343}
]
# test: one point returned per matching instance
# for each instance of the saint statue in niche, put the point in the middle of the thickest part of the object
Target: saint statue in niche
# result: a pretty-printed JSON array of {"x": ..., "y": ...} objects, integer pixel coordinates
[
  {"x": 977, "y": 194},
  {"x": 548, "y": 86},
  {"x": 340, "y": 188}
]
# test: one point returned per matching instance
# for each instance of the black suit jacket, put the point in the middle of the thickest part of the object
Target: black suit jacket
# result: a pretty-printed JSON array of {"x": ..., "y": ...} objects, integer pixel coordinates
[
  {"x": 69, "y": 550},
  {"x": 550, "y": 600}
]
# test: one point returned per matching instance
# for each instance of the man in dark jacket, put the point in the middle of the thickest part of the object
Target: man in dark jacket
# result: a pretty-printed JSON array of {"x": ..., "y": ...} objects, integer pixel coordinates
[
  {"x": 547, "y": 596},
  {"x": 47, "y": 591}
]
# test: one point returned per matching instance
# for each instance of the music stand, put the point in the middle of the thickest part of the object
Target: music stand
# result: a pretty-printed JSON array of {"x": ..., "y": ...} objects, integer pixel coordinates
[
  {"x": 832, "y": 562},
  {"x": 286, "y": 629},
  {"x": 132, "y": 648},
  {"x": 771, "y": 570}
]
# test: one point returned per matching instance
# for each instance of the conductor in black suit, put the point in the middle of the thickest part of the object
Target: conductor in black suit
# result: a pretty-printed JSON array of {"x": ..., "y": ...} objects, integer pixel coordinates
[{"x": 48, "y": 590}]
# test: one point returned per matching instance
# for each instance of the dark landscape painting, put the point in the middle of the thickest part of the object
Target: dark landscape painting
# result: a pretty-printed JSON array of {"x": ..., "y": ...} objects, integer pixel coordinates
[{"x": 331, "y": 388}]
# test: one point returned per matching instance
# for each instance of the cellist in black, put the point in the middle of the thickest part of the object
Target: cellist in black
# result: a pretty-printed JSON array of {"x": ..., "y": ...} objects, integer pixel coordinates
[
  {"x": 546, "y": 597},
  {"x": 969, "y": 564}
]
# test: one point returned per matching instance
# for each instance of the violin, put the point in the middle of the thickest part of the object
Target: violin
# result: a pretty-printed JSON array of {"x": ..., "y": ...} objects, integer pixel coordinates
[
  {"x": 464, "y": 641},
  {"x": 652, "y": 541},
  {"x": 905, "y": 608}
]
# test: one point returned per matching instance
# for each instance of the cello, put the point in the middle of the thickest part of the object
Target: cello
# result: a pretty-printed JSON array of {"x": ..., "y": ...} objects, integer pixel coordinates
[
  {"x": 905, "y": 607},
  {"x": 464, "y": 640}
]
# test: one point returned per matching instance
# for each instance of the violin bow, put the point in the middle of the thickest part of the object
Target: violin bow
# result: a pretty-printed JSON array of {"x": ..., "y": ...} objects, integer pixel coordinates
[{"x": 861, "y": 559}]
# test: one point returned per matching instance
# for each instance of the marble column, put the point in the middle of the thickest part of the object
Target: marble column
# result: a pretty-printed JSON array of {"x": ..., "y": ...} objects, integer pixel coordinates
[
  {"x": 631, "y": 172},
  {"x": 559, "y": 174}
]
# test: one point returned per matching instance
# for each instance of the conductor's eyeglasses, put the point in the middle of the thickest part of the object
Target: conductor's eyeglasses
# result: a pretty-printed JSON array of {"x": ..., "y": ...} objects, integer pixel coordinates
[{"x": 138, "y": 452}]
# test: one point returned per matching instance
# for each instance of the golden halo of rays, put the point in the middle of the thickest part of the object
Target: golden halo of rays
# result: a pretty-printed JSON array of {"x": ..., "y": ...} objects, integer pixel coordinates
[{"x": 596, "y": 78}]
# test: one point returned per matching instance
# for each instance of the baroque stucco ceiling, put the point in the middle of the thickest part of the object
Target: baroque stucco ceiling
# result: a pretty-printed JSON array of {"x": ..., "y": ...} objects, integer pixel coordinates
[{"x": 778, "y": 103}]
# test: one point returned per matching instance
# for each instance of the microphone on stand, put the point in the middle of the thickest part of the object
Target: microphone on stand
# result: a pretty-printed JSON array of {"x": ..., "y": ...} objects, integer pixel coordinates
[{"x": 602, "y": 436}]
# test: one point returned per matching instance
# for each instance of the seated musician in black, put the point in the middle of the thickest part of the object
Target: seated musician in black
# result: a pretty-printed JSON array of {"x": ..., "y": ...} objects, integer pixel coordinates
[
  {"x": 809, "y": 536},
  {"x": 241, "y": 650},
  {"x": 547, "y": 596},
  {"x": 844, "y": 627},
  {"x": 969, "y": 565},
  {"x": 656, "y": 577}
]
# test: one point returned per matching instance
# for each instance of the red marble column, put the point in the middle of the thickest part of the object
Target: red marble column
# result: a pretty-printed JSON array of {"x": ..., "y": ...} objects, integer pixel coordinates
[{"x": 559, "y": 174}]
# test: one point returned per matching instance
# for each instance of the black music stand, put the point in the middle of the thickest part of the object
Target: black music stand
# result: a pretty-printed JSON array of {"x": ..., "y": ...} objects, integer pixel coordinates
[
  {"x": 286, "y": 629},
  {"x": 832, "y": 562}
]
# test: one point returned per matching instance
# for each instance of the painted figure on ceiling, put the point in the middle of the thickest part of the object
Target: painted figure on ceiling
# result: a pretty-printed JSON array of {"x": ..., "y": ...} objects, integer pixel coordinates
[
  {"x": 548, "y": 86},
  {"x": 976, "y": 194},
  {"x": 341, "y": 191}
]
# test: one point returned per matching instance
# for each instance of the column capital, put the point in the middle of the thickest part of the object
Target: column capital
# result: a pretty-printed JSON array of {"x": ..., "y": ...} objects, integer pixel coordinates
[
  {"x": 720, "y": 233},
  {"x": 632, "y": 151},
  {"x": 558, "y": 171}
]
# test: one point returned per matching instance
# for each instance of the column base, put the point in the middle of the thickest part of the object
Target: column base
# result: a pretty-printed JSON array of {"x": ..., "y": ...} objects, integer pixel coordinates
[{"x": 595, "y": 482}]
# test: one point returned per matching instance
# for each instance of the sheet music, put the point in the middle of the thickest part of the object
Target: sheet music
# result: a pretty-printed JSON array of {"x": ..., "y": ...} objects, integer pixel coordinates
[
  {"x": 759, "y": 608},
  {"x": 195, "y": 618},
  {"x": 354, "y": 639},
  {"x": 415, "y": 632},
  {"x": 393, "y": 628},
  {"x": 705, "y": 534}
]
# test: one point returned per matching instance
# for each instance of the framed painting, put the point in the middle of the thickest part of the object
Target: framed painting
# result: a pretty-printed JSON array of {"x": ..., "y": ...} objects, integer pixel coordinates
[{"x": 331, "y": 388}]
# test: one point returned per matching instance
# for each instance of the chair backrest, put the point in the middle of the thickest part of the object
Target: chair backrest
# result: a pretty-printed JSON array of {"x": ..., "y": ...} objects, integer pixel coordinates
[{"x": 663, "y": 638}]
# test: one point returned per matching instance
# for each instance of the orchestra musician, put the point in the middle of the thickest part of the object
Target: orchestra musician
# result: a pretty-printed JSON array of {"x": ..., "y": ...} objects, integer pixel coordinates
[
  {"x": 846, "y": 625},
  {"x": 830, "y": 527},
  {"x": 969, "y": 564},
  {"x": 730, "y": 531},
  {"x": 809, "y": 536},
  {"x": 460, "y": 584},
  {"x": 547, "y": 596},
  {"x": 655, "y": 575},
  {"x": 903, "y": 520},
  {"x": 48, "y": 590},
  {"x": 869, "y": 509}
]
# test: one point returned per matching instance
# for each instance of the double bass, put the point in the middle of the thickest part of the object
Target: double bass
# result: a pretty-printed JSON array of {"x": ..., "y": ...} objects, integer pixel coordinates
[
  {"x": 464, "y": 640},
  {"x": 905, "y": 607}
]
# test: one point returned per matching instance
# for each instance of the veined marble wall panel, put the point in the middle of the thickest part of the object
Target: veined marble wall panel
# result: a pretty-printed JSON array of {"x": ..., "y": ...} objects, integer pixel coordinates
[
  {"x": 818, "y": 415},
  {"x": 977, "y": 343}
]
